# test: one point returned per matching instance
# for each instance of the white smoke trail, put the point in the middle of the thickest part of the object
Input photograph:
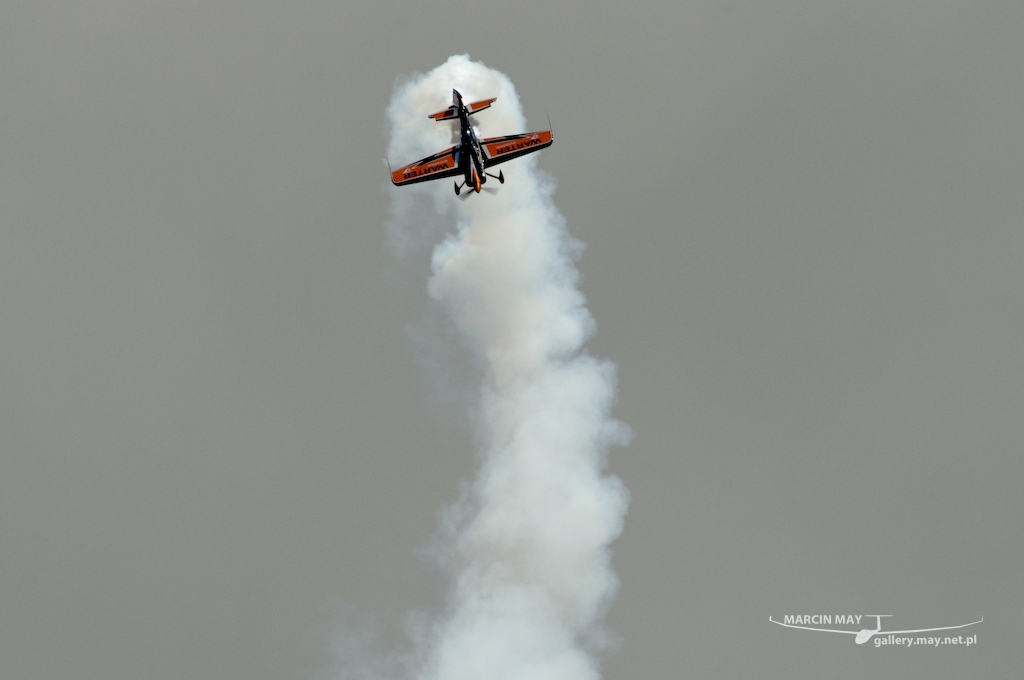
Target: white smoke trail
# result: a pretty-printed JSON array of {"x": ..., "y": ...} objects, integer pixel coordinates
[{"x": 527, "y": 547}]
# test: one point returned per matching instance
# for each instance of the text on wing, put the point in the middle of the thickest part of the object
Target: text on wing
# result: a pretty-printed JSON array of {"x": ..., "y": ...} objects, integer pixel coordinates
[{"x": 515, "y": 146}]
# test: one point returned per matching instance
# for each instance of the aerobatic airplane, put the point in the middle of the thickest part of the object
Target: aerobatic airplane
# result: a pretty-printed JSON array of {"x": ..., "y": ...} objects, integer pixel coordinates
[{"x": 471, "y": 157}]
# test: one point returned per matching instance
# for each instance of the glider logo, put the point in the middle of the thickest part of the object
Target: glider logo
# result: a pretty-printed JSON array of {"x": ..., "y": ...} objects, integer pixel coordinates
[{"x": 813, "y": 622}]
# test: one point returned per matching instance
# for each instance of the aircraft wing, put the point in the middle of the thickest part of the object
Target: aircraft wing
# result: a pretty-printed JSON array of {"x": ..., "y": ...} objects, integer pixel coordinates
[
  {"x": 819, "y": 630},
  {"x": 926, "y": 630},
  {"x": 501, "y": 149},
  {"x": 441, "y": 164}
]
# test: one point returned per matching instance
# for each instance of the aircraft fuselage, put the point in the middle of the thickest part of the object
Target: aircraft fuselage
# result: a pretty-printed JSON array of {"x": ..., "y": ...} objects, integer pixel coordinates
[{"x": 470, "y": 155}]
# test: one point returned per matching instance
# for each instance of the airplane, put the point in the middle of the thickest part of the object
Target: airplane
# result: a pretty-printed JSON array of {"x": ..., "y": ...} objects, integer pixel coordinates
[
  {"x": 471, "y": 157},
  {"x": 866, "y": 634}
]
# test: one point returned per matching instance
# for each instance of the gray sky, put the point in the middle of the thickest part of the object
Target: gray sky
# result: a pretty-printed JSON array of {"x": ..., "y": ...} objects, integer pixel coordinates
[{"x": 218, "y": 450}]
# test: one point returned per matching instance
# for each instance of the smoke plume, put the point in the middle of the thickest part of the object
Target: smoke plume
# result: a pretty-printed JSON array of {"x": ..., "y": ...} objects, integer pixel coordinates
[{"x": 527, "y": 547}]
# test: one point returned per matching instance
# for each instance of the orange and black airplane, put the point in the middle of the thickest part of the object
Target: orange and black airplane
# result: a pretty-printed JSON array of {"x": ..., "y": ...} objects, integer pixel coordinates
[{"x": 471, "y": 157}]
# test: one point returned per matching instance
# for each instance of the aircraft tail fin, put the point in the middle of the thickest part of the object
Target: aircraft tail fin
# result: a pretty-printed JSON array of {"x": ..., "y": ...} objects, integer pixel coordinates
[
  {"x": 452, "y": 111},
  {"x": 457, "y": 105}
]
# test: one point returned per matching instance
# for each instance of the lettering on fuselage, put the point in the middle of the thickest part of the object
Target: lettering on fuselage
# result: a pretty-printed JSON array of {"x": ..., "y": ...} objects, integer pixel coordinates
[
  {"x": 515, "y": 146},
  {"x": 425, "y": 169}
]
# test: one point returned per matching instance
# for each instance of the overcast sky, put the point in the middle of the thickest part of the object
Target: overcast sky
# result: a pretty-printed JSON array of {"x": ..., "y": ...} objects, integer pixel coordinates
[{"x": 221, "y": 453}]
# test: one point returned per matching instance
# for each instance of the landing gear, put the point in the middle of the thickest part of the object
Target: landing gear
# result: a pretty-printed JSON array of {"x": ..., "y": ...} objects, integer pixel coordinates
[
  {"x": 500, "y": 177},
  {"x": 457, "y": 188}
]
